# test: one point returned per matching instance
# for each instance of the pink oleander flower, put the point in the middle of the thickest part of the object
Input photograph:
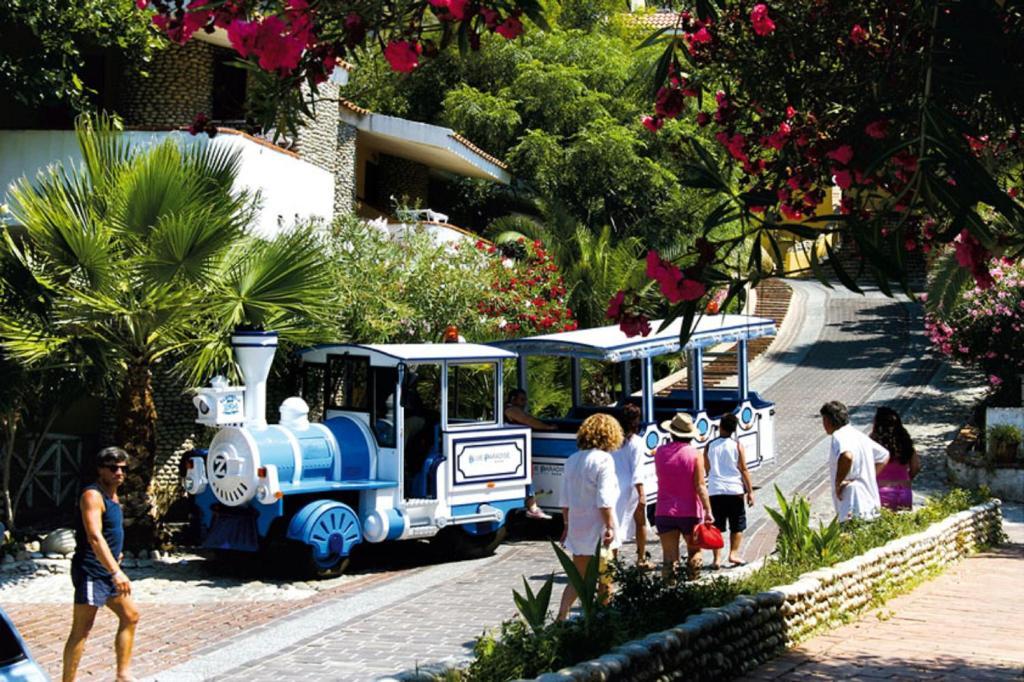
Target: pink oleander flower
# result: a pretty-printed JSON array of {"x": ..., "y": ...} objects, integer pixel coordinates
[
  {"x": 877, "y": 129},
  {"x": 277, "y": 48},
  {"x": 653, "y": 123},
  {"x": 703, "y": 119},
  {"x": 635, "y": 325},
  {"x": 510, "y": 29},
  {"x": 242, "y": 35},
  {"x": 858, "y": 35},
  {"x": 674, "y": 286},
  {"x": 669, "y": 102},
  {"x": 995, "y": 381},
  {"x": 615, "y": 305},
  {"x": 842, "y": 154},
  {"x": 402, "y": 55},
  {"x": 702, "y": 36},
  {"x": 842, "y": 178},
  {"x": 763, "y": 25}
]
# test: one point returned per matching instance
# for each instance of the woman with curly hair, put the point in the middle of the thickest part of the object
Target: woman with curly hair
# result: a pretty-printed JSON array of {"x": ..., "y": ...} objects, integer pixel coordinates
[
  {"x": 590, "y": 490},
  {"x": 894, "y": 480}
]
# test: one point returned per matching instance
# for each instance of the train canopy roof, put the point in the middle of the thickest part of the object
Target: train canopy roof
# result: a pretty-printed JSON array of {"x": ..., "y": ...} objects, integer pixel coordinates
[
  {"x": 393, "y": 353},
  {"x": 612, "y": 345}
]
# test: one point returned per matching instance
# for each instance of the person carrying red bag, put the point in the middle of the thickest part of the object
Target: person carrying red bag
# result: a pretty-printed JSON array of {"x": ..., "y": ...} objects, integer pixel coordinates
[{"x": 682, "y": 495}]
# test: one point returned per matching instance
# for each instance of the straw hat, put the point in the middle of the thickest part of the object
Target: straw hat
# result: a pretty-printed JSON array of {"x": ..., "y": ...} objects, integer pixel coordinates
[{"x": 680, "y": 426}]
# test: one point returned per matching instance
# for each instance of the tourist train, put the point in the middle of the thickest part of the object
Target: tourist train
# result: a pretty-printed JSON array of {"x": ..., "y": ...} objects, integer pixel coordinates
[{"x": 409, "y": 441}]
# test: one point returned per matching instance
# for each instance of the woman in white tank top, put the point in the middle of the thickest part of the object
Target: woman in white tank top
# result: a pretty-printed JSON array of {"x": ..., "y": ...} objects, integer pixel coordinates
[{"x": 728, "y": 482}]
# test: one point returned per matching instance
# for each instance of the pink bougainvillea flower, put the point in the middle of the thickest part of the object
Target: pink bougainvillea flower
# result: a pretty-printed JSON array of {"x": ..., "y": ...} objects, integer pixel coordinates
[
  {"x": 703, "y": 119},
  {"x": 653, "y": 123},
  {"x": 763, "y": 25},
  {"x": 858, "y": 35},
  {"x": 142, "y": 4},
  {"x": 877, "y": 129},
  {"x": 842, "y": 154},
  {"x": 790, "y": 111},
  {"x": 402, "y": 55},
  {"x": 994, "y": 380},
  {"x": 510, "y": 29}
]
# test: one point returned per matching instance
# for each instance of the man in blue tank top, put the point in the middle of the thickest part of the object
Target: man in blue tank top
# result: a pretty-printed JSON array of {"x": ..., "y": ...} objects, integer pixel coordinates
[{"x": 95, "y": 567}]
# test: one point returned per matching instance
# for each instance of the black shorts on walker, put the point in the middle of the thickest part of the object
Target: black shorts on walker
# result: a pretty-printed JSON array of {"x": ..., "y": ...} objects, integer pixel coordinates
[{"x": 729, "y": 508}]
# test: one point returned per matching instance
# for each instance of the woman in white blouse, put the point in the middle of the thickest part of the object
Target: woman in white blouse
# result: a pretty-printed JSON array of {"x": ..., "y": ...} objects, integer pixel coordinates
[{"x": 589, "y": 493}]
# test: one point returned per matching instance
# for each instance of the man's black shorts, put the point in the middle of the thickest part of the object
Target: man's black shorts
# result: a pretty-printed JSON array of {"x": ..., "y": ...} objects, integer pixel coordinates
[{"x": 729, "y": 508}]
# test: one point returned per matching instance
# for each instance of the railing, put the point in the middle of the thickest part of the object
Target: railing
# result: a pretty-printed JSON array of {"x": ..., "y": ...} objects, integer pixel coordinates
[{"x": 57, "y": 470}]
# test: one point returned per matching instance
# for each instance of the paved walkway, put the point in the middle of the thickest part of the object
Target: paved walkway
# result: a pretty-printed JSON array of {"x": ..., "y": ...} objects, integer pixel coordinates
[
  {"x": 964, "y": 625},
  {"x": 863, "y": 350}
]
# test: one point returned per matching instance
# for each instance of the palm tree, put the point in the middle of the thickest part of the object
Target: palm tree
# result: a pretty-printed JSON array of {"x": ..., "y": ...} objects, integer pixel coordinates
[{"x": 145, "y": 256}]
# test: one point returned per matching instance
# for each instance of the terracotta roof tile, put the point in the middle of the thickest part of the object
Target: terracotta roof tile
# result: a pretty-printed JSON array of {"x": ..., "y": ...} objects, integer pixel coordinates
[
  {"x": 663, "y": 18},
  {"x": 479, "y": 152},
  {"x": 352, "y": 106}
]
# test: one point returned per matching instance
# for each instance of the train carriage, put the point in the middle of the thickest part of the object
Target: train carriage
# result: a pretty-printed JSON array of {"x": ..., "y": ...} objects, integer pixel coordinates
[{"x": 632, "y": 358}]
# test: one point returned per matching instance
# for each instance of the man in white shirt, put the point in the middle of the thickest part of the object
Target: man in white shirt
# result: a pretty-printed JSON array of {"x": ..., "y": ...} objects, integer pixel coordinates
[{"x": 854, "y": 461}]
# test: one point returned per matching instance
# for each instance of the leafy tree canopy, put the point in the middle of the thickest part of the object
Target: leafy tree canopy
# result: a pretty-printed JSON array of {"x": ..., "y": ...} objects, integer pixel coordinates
[{"x": 45, "y": 45}]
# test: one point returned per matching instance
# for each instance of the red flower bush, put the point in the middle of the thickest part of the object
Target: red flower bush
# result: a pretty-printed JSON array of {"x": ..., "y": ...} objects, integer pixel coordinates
[{"x": 528, "y": 295}]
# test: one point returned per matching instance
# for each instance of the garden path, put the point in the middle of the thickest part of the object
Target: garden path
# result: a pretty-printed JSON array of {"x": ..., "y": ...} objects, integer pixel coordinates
[{"x": 963, "y": 625}]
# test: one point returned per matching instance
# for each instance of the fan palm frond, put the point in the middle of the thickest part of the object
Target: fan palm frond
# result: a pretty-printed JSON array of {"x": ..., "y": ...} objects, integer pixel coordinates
[
  {"x": 62, "y": 219},
  {"x": 947, "y": 279},
  {"x": 105, "y": 150}
]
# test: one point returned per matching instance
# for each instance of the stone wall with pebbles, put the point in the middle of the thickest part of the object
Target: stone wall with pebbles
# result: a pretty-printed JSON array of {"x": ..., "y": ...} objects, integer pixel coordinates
[{"x": 724, "y": 642}]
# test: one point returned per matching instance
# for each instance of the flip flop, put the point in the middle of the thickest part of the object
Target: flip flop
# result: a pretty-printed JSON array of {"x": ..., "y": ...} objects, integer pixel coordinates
[
  {"x": 714, "y": 567},
  {"x": 737, "y": 564}
]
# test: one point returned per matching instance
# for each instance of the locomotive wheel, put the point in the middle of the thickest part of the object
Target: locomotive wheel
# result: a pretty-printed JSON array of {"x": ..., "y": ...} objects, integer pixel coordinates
[
  {"x": 456, "y": 542},
  {"x": 314, "y": 567}
]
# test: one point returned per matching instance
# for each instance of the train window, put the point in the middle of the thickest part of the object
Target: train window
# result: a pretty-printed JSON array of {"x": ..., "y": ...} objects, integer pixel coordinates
[
  {"x": 384, "y": 422},
  {"x": 600, "y": 383},
  {"x": 348, "y": 383},
  {"x": 312, "y": 389},
  {"x": 472, "y": 389}
]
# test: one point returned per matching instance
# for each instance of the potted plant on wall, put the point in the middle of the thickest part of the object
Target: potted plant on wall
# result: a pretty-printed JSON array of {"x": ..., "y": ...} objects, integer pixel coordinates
[{"x": 1003, "y": 443}]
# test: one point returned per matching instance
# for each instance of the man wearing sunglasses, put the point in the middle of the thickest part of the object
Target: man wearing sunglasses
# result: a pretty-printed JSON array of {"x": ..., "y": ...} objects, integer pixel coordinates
[{"x": 95, "y": 568}]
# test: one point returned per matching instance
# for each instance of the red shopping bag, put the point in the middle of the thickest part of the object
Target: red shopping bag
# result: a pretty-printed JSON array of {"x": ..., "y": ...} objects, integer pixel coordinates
[{"x": 708, "y": 537}]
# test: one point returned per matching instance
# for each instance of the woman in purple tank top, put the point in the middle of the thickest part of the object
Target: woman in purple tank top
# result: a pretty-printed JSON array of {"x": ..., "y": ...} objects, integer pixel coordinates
[
  {"x": 682, "y": 494},
  {"x": 894, "y": 480}
]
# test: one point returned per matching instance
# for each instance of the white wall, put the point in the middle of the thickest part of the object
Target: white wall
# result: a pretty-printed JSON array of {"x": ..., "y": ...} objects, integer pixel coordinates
[{"x": 289, "y": 188}]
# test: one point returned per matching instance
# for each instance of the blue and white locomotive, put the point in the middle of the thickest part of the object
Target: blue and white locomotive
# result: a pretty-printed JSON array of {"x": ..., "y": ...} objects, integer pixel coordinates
[{"x": 412, "y": 444}]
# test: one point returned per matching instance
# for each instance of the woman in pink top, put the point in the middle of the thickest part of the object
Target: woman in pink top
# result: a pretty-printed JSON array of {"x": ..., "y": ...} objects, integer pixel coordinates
[
  {"x": 682, "y": 495},
  {"x": 894, "y": 479}
]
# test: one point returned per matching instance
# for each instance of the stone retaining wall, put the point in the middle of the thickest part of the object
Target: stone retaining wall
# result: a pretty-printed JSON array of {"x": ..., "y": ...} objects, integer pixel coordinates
[{"x": 723, "y": 642}]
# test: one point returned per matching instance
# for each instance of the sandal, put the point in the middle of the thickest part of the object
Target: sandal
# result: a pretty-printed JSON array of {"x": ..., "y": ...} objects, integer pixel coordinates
[
  {"x": 646, "y": 565},
  {"x": 736, "y": 564}
]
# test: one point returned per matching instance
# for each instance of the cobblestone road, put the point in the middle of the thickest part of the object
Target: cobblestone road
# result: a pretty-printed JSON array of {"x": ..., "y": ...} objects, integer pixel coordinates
[{"x": 862, "y": 350}]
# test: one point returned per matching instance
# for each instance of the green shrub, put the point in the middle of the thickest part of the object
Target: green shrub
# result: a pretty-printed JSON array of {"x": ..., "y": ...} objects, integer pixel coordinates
[{"x": 644, "y": 603}]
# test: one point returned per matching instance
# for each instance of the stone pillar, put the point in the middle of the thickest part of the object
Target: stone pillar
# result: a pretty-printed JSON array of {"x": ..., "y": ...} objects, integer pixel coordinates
[{"x": 179, "y": 85}]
